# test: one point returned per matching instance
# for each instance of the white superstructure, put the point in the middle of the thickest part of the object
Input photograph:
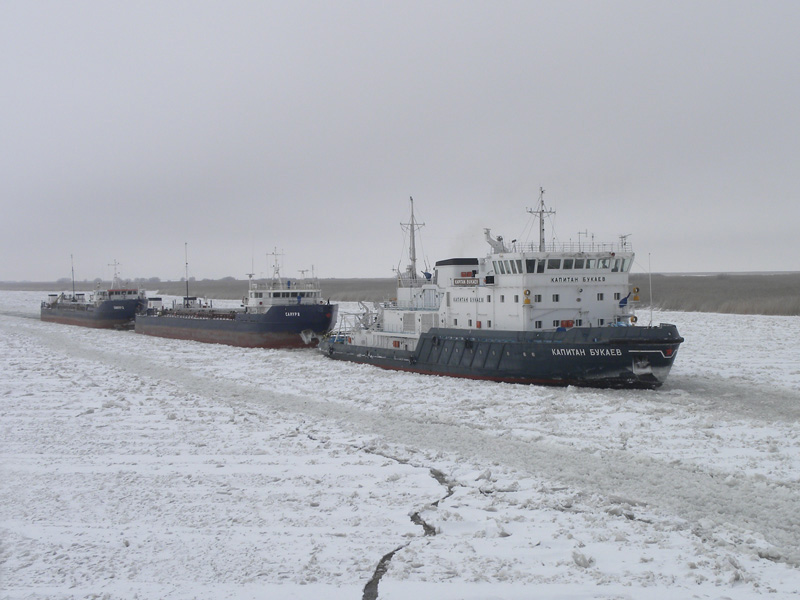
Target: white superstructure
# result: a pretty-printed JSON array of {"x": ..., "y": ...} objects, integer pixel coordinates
[
  {"x": 521, "y": 288},
  {"x": 281, "y": 291}
]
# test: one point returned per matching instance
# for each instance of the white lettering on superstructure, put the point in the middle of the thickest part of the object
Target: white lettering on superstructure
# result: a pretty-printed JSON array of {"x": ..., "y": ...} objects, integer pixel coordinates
[{"x": 466, "y": 281}]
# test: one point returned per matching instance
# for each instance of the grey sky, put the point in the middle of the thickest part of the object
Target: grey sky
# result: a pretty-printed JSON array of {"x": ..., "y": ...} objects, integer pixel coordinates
[{"x": 127, "y": 129}]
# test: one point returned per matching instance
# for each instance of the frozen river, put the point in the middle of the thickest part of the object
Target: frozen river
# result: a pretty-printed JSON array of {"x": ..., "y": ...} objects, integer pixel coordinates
[{"x": 140, "y": 467}]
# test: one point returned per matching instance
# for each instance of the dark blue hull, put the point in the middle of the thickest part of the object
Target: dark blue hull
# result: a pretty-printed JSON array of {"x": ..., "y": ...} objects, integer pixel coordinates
[
  {"x": 111, "y": 314},
  {"x": 279, "y": 327},
  {"x": 619, "y": 357}
]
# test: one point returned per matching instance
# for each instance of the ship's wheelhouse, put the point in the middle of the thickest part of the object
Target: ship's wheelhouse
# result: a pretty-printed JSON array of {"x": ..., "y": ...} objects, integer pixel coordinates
[
  {"x": 279, "y": 292},
  {"x": 530, "y": 291}
]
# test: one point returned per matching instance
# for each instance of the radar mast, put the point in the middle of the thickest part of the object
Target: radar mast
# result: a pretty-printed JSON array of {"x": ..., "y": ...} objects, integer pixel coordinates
[
  {"x": 412, "y": 228},
  {"x": 540, "y": 212}
]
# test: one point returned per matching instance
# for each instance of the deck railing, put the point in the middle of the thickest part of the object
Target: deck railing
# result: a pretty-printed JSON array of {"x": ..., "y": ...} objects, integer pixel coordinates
[{"x": 583, "y": 246}]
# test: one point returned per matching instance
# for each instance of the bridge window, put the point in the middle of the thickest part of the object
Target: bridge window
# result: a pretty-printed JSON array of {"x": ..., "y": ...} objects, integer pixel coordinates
[
  {"x": 513, "y": 267},
  {"x": 530, "y": 265},
  {"x": 603, "y": 263},
  {"x": 502, "y": 268},
  {"x": 578, "y": 263},
  {"x": 626, "y": 264},
  {"x": 568, "y": 263},
  {"x": 591, "y": 263},
  {"x": 553, "y": 264},
  {"x": 615, "y": 266}
]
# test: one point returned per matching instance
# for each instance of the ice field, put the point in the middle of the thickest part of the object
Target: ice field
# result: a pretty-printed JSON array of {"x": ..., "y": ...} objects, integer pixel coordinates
[{"x": 141, "y": 467}]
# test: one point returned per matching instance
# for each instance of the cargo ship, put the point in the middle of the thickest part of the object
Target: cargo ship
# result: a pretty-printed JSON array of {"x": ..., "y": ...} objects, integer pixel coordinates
[
  {"x": 113, "y": 308},
  {"x": 279, "y": 313},
  {"x": 558, "y": 314}
]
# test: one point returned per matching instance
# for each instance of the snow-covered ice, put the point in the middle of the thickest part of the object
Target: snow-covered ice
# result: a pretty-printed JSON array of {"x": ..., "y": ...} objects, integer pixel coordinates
[{"x": 140, "y": 467}]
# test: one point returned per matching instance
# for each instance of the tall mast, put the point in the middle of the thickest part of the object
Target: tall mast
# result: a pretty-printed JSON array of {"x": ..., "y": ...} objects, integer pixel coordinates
[
  {"x": 412, "y": 250},
  {"x": 252, "y": 270},
  {"x": 72, "y": 262},
  {"x": 541, "y": 211},
  {"x": 276, "y": 269},
  {"x": 186, "y": 256},
  {"x": 115, "y": 281}
]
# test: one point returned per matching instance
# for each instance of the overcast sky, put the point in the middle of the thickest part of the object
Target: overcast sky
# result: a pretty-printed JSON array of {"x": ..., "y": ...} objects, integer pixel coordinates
[{"x": 130, "y": 128}]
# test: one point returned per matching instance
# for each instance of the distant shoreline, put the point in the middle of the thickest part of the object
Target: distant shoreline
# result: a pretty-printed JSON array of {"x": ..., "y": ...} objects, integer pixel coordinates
[{"x": 738, "y": 293}]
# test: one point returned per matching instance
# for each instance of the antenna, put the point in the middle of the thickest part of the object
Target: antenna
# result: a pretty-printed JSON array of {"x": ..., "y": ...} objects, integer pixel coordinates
[
  {"x": 276, "y": 271},
  {"x": 186, "y": 256},
  {"x": 580, "y": 233},
  {"x": 650, "y": 276},
  {"x": 115, "y": 282},
  {"x": 541, "y": 211},
  {"x": 623, "y": 241},
  {"x": 412, "y": 228}
]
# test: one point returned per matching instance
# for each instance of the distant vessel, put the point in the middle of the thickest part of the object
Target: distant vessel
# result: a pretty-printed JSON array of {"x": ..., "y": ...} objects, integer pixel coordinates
[
  {"x": 113, "y": 308},
  {"x": 554, "y": 315},
  {"x": 280, "y": 313}
]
